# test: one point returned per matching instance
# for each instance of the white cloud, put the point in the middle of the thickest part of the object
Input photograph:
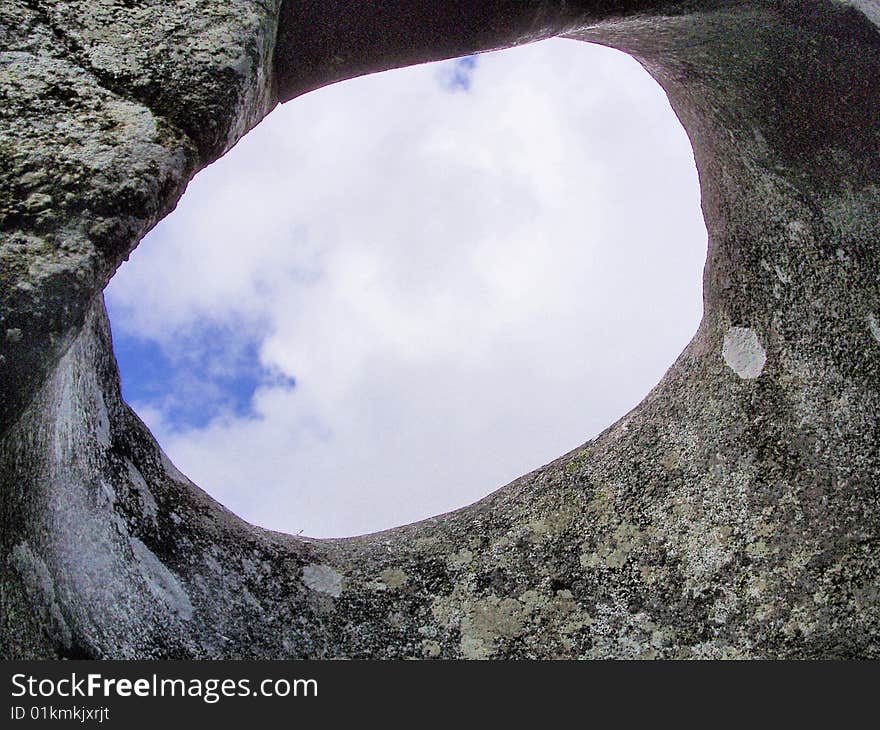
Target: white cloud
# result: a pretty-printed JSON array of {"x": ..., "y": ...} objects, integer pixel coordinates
[{"x": 464, "y": 285}]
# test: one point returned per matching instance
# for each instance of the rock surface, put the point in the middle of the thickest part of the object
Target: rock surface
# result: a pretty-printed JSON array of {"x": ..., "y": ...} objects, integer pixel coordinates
[{"x": 734, "y": 513}]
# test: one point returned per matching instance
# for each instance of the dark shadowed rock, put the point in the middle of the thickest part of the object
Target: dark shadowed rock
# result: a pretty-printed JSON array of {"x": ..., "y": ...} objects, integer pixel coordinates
[{"x": 733, "y": 513}]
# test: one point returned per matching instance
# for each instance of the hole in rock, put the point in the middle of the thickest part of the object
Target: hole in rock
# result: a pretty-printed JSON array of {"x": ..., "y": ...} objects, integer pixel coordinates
[{"x": 400, "y": 292}]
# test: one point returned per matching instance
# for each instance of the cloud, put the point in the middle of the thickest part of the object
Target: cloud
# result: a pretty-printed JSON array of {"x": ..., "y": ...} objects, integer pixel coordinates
[{"x": 434, "y": 292}]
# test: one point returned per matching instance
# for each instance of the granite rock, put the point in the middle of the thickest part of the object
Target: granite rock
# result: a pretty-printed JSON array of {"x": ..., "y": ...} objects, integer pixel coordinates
[{"x": 733, "y": 513}]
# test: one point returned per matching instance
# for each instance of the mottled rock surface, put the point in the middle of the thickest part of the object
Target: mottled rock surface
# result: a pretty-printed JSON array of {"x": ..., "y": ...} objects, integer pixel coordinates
[{"x": 734, "y": 513}]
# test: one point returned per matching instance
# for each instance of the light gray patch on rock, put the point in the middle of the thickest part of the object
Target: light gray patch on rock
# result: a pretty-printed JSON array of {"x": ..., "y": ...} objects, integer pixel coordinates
[
  {"x": 108, "y": 492},
  {"x": 743, "y": 352},
  {"x": 148, "y": 502},
  {"x": 39, "y": 583},
  {"x": 161, "y": 581},
  {"x": 871, "y": 8},
  {"x": 874, "y": 326},
  {"x": 323, "y": 579}
]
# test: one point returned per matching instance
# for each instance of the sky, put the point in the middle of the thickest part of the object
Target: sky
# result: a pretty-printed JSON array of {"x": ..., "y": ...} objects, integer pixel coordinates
[{"x": 400, "y": 292}]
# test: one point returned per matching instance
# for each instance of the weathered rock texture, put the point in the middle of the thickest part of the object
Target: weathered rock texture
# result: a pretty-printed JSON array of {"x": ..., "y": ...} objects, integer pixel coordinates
[{"x": 734, "y": 513}]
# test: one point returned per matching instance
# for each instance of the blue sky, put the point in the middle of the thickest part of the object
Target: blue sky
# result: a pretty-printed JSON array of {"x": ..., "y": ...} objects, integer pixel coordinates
[
  {"x": 211, "y": 373},
  {"x": 459, "y": 74},
  {"x": 400, "y": 292}
]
